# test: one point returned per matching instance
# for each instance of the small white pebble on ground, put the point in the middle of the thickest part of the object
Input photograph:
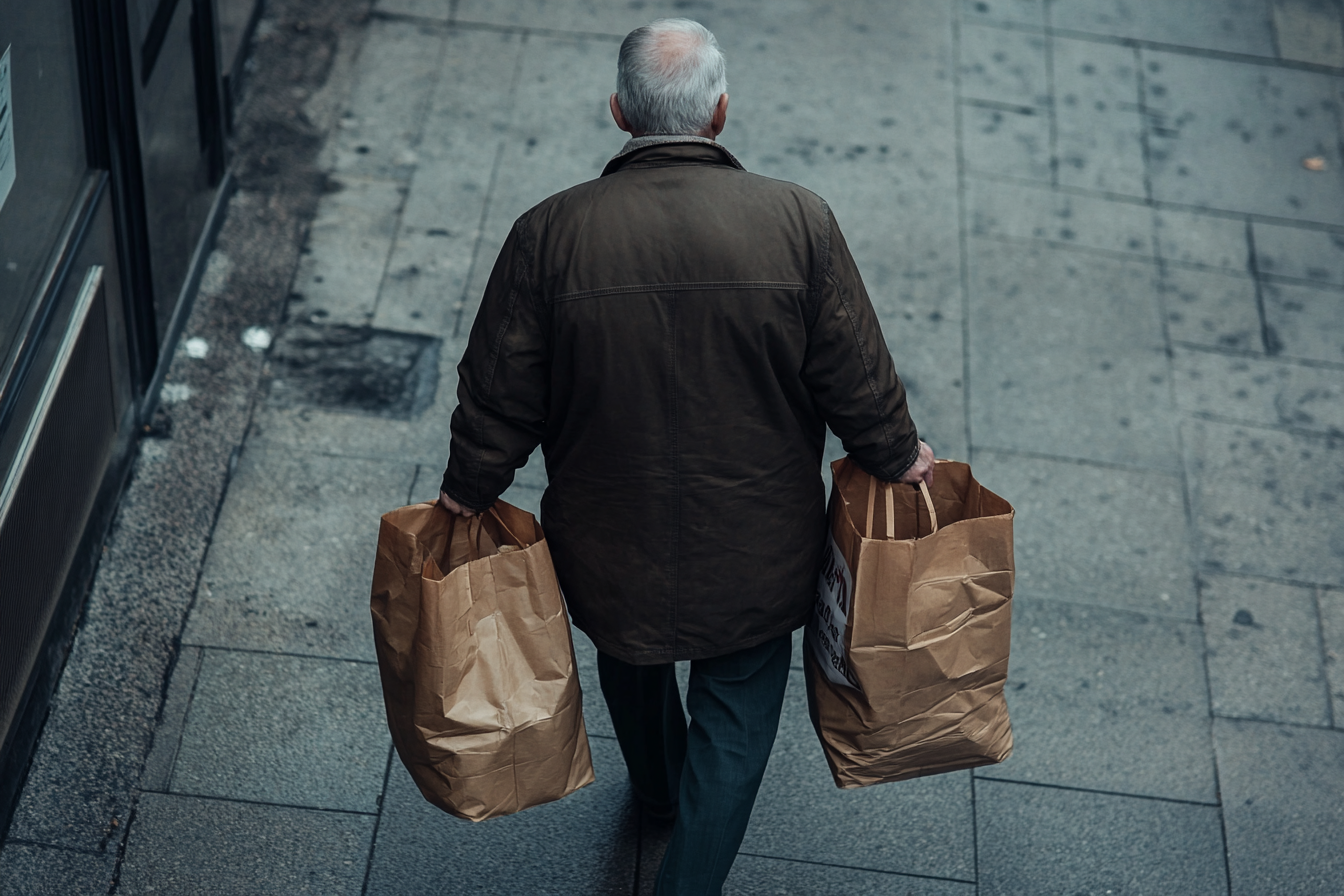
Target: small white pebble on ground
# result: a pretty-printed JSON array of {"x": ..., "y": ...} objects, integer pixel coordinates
[
  {"x": 196, "y": 347},
  {"x": 172, "y": 393},
  {"x": 257, "y": 338}
]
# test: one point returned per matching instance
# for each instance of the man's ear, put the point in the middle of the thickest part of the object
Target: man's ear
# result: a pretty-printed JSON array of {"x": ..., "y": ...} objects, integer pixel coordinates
[
  {"x": 720, "y": 116},
  {"x": 619, "y": 116}
]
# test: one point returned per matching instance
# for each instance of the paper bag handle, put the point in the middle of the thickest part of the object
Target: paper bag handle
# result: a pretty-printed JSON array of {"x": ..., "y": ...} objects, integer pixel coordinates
[
  {"x": 928, "y": 502},
  {"x": 505, "y": 526}
]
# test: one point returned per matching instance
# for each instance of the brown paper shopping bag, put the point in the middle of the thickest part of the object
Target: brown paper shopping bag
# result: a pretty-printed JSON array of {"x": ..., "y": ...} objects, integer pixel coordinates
[
  {"x": 908, "y": 646},
  {"x": 476, "y": 660}
]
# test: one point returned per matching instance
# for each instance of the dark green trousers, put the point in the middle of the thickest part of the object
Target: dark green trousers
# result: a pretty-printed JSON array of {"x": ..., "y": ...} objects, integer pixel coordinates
[{"x": 709, "y": 770}]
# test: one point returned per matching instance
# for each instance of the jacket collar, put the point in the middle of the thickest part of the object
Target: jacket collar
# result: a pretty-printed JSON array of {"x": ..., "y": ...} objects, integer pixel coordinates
[{"x": 659, "y": 149}]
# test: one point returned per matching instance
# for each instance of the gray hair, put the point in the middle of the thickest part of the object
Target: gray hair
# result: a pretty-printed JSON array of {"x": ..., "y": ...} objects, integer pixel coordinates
[{"x": 669, "y": 77}]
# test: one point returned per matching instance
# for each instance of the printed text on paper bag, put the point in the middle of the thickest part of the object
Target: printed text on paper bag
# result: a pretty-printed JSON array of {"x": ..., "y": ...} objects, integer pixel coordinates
[{"x": 830, "y": 615}]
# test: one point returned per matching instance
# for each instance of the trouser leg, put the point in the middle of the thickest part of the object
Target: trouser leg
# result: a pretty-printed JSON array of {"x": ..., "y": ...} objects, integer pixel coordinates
[
  {"x": 650, "y": 726},
  {"x": 734, "y": 702}
]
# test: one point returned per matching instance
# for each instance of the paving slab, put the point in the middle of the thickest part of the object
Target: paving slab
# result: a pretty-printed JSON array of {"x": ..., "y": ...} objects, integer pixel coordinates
[
  {"x": 283, "y": 729},
  {"x": 288, "y": 569},
  {"x": 921, "y": 827},
  {"x": 761, "y": 876},
  {"x": 1017, "y": 12},
  {"x": 1062, "y": 842},
  {"x": 1099, "y": 127},
  {"x": 1025, "y": 212},
  {"x": 436, "y": 10},
  {"x": 158, "y": 771},
  {"x": 1331, "y": 604},
  {"x": 1008, "y": 141},
  {"x": 182, "y": 844},
  {"x": 584, "y": 843},
  {"x": 1210, "y": 308},
  {"x": 1283, "y": 797},
  {"x": 396, "y": 72},
  {"x": 1263, "y": 391},
  {"x": 1235, "y": 26},
  {"x": 1003, "y": 66},
  {"x": 1230, "y": 135},
  {"x": 423, "y": 439},
  {"x": 1213, "y": 241},
  {"x": 28, "y": 869},
  {"x": 1109, "y": 701},
  {"x": 1300, "y": 252},
  {"x": 1067, "y": 356},
  {"x": 1091, "y": 534},
  {"x": 1264, "y": 658},
  {"x": 1309, "y": 31},
  {"x": 348, "y": 246},
  {"x": 1304, "y": 322},
  {"x": 440, "y": 224},
  {"x": 1264, "y": 501}
]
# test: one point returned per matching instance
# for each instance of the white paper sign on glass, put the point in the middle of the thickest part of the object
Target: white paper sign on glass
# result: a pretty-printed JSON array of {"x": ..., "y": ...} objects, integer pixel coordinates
[
  {"x": 830, "y": 615},
  {"x": 6, "y": 131}
]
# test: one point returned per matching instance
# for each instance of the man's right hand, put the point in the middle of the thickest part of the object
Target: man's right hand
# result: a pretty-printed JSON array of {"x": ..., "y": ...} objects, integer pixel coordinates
[{"x": 922, "y": 468}]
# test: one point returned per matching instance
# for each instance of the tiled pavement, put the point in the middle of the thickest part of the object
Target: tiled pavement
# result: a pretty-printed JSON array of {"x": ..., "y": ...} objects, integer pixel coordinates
[{"x": 1109, "y": 281}]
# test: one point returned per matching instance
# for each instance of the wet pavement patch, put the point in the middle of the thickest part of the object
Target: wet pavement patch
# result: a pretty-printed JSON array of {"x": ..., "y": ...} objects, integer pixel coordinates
[{"x": 355, "y": 369}]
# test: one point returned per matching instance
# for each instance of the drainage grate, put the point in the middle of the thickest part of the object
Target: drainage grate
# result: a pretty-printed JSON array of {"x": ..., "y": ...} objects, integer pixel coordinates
[{"x": 354, "y": 369}]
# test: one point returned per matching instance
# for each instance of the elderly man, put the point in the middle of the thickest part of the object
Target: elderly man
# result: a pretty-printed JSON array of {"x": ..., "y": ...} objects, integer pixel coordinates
[{"x": 676, "y": 336}]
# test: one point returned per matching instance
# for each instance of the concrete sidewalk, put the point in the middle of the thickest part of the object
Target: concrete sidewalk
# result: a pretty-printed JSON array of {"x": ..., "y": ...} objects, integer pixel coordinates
[{"x": 1112, "y": 277}]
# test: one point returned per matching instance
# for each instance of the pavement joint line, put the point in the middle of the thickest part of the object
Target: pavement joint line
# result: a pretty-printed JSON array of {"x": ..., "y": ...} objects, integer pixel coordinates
[
  {"x": 186, "y": 710},
  {"x": 1080, "y": 461},
  {"x": 1268, "y": 340},
  {"x": 963, "y": 240},
  {"x": 1014, "y": 108},
  {"x": 1115, "y": 254},
  {"x": 1269, "y": 427},
  {"x": 1160, "y": 204},
  {"x": 421, "y": 115},
  {"x": 1050, "y": 88},
  {"x": 378, "y": 822},
  {"x": 465, "y": 25},
  {"x": 1130, "y": 796},
  {"x": 1163, "y": 47},
  {"x": 1046, "y": 597},
  {"x": 1302, "y": 281},
  {"x": 240, "y": 801},
  {"x": 1312, "y": 363},
  {"x": 277, "y": 447},
  {"x": 18, "y": 841},
  {"x": 1273, "y": 580},
  {"x": 955, "y": 880},
  {"x": 1304, "y": 726},
  {"x": 224, "y": 648},
  {"x": 1325, "y": 657},
  {"x": 1141, "y": 82}
]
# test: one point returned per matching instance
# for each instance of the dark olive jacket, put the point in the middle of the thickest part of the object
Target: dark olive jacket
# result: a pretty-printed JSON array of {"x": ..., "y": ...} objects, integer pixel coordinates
[{"x": 676, "y": 336}]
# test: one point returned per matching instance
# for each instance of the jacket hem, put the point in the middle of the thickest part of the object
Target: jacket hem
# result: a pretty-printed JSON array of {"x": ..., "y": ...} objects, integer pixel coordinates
[{"x": 654, "y": 657}]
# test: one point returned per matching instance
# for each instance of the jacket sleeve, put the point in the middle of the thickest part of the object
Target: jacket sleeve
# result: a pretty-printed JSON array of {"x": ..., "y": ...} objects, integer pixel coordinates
[
  {"x": 849, "y": 370},
  {"x": 502, "y": 385}
]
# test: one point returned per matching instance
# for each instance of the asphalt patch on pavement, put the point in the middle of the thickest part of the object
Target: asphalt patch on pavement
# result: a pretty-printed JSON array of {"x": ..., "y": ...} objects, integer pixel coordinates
[{"x": 354, "y": 369}]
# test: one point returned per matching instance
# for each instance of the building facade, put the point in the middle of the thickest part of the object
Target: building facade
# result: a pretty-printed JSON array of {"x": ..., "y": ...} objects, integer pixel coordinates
[{"x": 114, "y": 175}]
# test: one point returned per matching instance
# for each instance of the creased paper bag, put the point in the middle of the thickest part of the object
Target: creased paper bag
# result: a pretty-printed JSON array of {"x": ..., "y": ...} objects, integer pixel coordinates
[
  {"x": 907, "y": 650},
  {"x": 476, "y": 659}
]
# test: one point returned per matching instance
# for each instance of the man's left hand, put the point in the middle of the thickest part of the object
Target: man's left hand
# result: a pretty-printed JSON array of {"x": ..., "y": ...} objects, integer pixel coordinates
[
  {"x": 452, "y": 506},
  {"x": 922, "y": 468}
]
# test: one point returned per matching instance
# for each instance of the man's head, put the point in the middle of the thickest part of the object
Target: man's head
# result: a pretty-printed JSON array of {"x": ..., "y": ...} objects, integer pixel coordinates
[{"x": 670, "y": 79}]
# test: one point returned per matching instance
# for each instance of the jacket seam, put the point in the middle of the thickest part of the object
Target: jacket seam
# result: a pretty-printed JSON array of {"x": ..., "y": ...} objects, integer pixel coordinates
[
  {"x": 518, "y": 277},
  {"x": 677, "y": 287},
  {"x": 818, "y": 284},
  {"x": 863, "y": 356}
]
